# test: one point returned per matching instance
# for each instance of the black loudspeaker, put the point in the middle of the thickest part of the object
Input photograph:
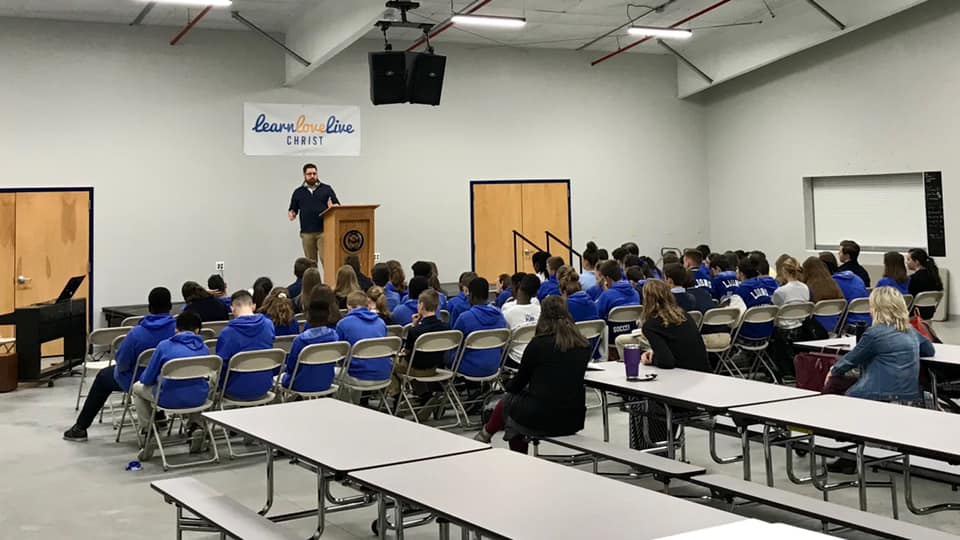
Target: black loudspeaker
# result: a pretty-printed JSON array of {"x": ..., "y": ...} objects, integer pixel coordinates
[
  {"x": 425, "y": 77},
  {"x": 388, "y": 77}
]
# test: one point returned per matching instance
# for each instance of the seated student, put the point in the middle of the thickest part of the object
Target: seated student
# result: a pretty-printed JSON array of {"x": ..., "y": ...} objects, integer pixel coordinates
[
  {"x": 579, "y": 303},
  {"x": 377, "y": 303},
  {"x": 380, "y": 275},
  {"x": 299, "y": 267},
  {"x": 550, "y": 286},
  {"x": 522, "y": 313},
  {"x": 693, "y": 261},
  {"x": 428, "y": 270},
  {"x": 183, "y": 344},
  {"x": 480, "y": 316},
  {"x": 361, "y": 323},
  {"x": 425, "y": 364},
  {"x": 705, "y": 252},
  {"x": 277, "y": 308},
  {"x": 354, "y": 262},
  {"x": 261, "y": 288},
  {"x": 632, "y": 248},
  {"x": 202, "y": 303},
  {"x": 822, "y": 287},
  {"x": 675, "y": 341},
  {"x": 830, "y": 260},
  {"x": 849, "y": 254},
  {"x": 616, "y": 290},
  {"x": 547, "y": 395},
  {"x": 398, "y": 281},
  {"x": 217, "y": 287},
  {"x": 247, "y": 331},
  {"x": 591, "y": 256},
  {"x": 793, "y": 290},
  {"x": 311, "y": 378},
  {"x": 404, "y": 313},
  {"x": 539, "y": 260},
  {"x": 631, "y": 261},
  {"x": 154, "y": 328},
  {"x": 925, "y": 277},
  {"x": 894, "y": 273},
  {"x": 670, "y": 257},
  {"x": 325, "y": 293},
  {"x": 504, "y": 292},
  {"x": 853, "y": 288},
  {"x": 756, "y": 286},
  {"x": 635, "y": 276},
  {"x": 461, "y": 302},
  {"x": 724, "y": 282},
  {"x": 311, "y": 280},
  {"x": 676, "y": 276},
  {"x": 346, "y": 284}
]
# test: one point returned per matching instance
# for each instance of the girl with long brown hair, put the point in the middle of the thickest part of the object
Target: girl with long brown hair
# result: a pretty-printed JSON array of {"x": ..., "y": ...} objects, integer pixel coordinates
[
  {"x": 894, "y": 273},
  {"x": 398, "y": 281},
  {"x": 674, "y": 339},
  {"x": 325, "y": 293},
  {"x": 311, "y": 279},
  {"x": 277, "y": 307},
  {"x": 346, "y": 284}
]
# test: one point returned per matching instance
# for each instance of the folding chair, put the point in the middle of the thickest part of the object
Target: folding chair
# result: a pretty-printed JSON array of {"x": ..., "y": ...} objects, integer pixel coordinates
[
  {"x": 593, "y": 331},
  {"x": 266, "y": 362},
  {"x": 211, "y": 345},
  {"x": 301, "y": 323},
  {"x": 343, "y": 312},
  {"x": 436, "y": 343},
  {"x": 132, "y": 321},
  {"x": 696, "y": 317},
  {"x": 752, "y": 337},
  {"x": 480, "y": 340},
  {"x": 208, "y": 333},
  {"x": 100, "y": 353},
  {"x": 126, "y": 403},
  {"x": 927, "y": 303},
  {"x": 216, "y": 326},
  {"x": 309, "y": 359},
  {"x": 520, "y": 335},
  {"x": 395, "y": 330},
  {"x": 180, "y": 370},
  {"x": 857, "y": 306},
  {"x": 283, "y": 342},
  {"x": 908, "y": 300},
  {"x": 719, "y": 322},
  {"x": 622, "y": 320},
  {"x": 444, "y": 316},
  {"x": 8, "y": 344},
  {"x": 370, "y": 349},
  {"x": 828, "y": 313},
  {"x": 794, "y": 313}
]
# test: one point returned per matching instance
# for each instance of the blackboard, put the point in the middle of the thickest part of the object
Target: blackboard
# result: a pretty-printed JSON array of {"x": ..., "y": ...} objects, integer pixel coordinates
[{"x": 933, "y": 193}]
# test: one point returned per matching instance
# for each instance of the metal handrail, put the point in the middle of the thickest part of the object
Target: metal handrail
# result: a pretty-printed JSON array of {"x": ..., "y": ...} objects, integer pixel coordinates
[
  {"x": 518, "y": 234},
  {"x": 572, "y": 251}
]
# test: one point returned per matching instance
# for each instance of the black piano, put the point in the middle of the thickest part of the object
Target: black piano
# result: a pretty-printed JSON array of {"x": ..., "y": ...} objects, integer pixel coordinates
[{"x": 40, "y": 323}]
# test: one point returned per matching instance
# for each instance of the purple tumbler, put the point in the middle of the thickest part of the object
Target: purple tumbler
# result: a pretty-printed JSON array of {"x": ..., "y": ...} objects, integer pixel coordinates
[{"x": 631, "y": 360}]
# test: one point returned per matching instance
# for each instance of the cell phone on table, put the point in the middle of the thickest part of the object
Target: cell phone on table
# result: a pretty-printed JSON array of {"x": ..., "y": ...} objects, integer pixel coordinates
[{"x": 643, "y": 378}]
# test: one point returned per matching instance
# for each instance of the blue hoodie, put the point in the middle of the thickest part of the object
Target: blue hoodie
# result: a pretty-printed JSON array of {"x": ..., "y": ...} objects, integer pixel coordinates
[
  {"x": 502, "y": 297},
  {"x": 361, "y": 323},
  {"x": 853, "y": 288},
  {"x": 904, "y": 287},
  {"x": 393, "y": 297},
  {"x": 245, "y": 333},
  {"x": 441, "y": 303},
  {"x": 588, "y": 279},
  {"x": 480, "y": 317},
  {"x": 582, "y": 307},
  {"x": 183, "y": 394},
  {"x": 309, "y": 378},
  {"x": 703, "y": 278},
  {"x": 550, "y": 287},
  {"x": 757, "y": 291},
  {"x": 456, "y": 306},
  {"x": 291, "y": 329},
  {"x": 724, "y": 285},
  {"x": 619, "y": 294},
  {"x": 595, "y": 292},
  {"x": 403, "y": 315},
  {"x": 152, "y": 330}
]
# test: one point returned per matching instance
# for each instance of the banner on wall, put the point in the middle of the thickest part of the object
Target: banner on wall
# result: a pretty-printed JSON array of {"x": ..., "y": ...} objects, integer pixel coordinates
[{"x": 271, "y": 129}]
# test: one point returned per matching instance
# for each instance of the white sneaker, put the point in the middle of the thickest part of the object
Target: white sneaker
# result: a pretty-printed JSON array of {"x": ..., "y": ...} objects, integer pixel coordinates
[{"x": 483, "y": 436}]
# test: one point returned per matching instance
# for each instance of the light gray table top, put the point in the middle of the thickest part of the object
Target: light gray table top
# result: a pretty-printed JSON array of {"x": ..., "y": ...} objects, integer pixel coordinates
[
  {"x": 750, "y": 529},
  {"x": 947, "y": 355},
  {"x": 510, "y": 495},
  {"x": 693, "y": 389},
  {"x": 341, "y": 436},
  {"x": 922, "y": 432}
]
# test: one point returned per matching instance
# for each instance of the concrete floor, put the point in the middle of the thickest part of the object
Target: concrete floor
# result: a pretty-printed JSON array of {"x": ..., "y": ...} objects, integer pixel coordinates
[{"x": 53, "y": 488}]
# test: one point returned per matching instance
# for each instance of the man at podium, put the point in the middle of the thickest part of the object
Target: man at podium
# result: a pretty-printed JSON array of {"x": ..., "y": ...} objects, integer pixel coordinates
[{"x": 309, "y": 201}]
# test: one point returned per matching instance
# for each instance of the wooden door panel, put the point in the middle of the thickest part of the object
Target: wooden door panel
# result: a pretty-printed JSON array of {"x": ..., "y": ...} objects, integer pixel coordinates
[
  {"x": 53, "y": 244},
  {"x": 496, "y": 213},
  {"x": 546, "y": 208},
  {"x": 8, "y": 224}
]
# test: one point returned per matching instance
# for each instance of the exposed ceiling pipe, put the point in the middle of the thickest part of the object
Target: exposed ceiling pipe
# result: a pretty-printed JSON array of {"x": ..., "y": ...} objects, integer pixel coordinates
[
  {"x": 190, "y": 25},
  {"x": 687, "y": 19},
  {"x": 823, "y": 11},
  {"x": 445, "y": 25},
  {"x": 147, "y": 8}
]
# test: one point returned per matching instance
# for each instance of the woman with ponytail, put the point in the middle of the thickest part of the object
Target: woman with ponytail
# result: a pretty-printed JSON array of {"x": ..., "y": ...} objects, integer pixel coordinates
[
  {"x": 591, "y": 256},
  {"x": 925, "y": 277}
]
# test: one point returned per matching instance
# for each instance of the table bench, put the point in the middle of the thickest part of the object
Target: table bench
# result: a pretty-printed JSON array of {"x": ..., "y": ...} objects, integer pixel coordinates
[{"x": 215, "y": 511}]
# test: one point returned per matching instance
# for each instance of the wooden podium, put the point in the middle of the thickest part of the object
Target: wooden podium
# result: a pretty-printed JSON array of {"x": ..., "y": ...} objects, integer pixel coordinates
[{"x": 347, "y": 230}]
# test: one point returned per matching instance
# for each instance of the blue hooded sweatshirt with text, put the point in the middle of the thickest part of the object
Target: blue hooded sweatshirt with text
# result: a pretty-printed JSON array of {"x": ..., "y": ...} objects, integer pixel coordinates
[
  {"x": 619, "y": 294},
  {"x": 147, "y": 335},
  {"x": 757, "y": 291},
  {"x": 310, "y": 378},
  {"x": 702, "y": 277},
  {"x": 853, "y": 288},
  {"x": 361, "y": 323},
  {"x": 724, "y": 284},
  {"x": 177, "y": 394},
  {"x": 246, "y": 333},
  {"x": 477, "y": 363}
]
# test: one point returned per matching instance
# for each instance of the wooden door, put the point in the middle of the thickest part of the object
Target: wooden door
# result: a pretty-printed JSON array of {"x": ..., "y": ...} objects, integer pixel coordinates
[
  {"x": 546, "y": 208},
  {"x": 52, "y": 245},
  {"x": 8, "y": 228}
]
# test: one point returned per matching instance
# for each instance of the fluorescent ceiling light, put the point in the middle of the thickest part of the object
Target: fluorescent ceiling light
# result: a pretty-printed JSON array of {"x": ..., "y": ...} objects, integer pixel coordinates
[
  {"x": 204, "y": 3},
  {"x": 490, "y": 20},
  {"x": 666, "y": 33}
]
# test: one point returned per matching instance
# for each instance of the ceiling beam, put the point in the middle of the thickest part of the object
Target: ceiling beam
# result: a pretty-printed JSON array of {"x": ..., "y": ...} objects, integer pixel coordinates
[
  {"x": 147, "y": 8},
  {"x": 325, "y": 29}
]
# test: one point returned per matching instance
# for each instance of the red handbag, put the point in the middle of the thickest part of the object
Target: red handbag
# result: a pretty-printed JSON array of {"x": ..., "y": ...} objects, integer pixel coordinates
[
  {"x": 922, "y": 327},
  {"x": 812, "y": 369}
]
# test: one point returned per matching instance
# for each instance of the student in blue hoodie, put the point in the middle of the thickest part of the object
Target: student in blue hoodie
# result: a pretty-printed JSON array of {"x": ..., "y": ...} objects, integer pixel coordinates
[
  {"x": 480, "y": 316},
  {"x": 756, "y": 286},
  {"x": 693, "y": 261},
  {"x": 550, "y": 287},
  {"x": 504, "y": 290},
  {"x": 247, "y": 331},
  {"x": 579, "y": 303},
  {"x": 894, "y": 273},
  {"x": 299, "y": 267},
  {"x": 278, "y": 308},
  {"x": 723, "y": 282},
  {"x": 404, "y": 313},
  {"x": 311, "y": 378},
  {"x": 154, "y": 328},
  {"x": 178, "y": 394},
  {"x": 380, "y": 275},
  {"x": 217, "y": 287},
  {"x": 616, "y": 290},
  {"x": 361, "y": 323},
  {"x": 461, "y": 302},
  {"x": 853, "y": 288},
  {"x": 427, "y": 270}
]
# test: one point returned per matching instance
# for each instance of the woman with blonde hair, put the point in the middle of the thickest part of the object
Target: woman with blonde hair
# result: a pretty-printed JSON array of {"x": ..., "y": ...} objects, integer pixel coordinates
[
  {"x": 346, "y": 284},
  {"x": 792, "y": 289},
  {"x": 277, "y": 307},
  {"x": 377, "y": 302},
  {"x": 674, "y": 339}
]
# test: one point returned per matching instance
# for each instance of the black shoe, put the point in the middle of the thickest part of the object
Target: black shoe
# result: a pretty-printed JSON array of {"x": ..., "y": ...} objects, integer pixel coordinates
[
  {"x": 75, "y": 434},
  {"x": 160, "y": 419},
  {"x": 843, "y": 466}
]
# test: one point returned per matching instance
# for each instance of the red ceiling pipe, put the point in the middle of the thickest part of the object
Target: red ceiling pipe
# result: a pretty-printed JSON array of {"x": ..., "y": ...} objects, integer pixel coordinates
[
  {"x": 190, "y": 25},
  {"x": 446, "y": 26},
  {"x": 648, "y": 38}
]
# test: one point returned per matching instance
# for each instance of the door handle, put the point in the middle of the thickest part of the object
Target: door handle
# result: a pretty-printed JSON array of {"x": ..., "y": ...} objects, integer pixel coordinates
[
  {"x": 525, "y": 252},
  {"x": 22, "y": 280}
]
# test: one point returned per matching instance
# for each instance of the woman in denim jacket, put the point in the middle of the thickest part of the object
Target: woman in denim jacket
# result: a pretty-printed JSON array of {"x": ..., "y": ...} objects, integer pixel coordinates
[{"x": 888, "y": 354}]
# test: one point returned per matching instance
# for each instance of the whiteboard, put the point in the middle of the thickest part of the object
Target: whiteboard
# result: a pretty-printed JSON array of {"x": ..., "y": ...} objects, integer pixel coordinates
[{"x": 879, "y": 212}]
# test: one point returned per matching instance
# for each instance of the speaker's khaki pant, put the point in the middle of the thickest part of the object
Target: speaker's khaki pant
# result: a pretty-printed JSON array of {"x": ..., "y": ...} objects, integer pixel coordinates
[{"x": 312, "y": 245}]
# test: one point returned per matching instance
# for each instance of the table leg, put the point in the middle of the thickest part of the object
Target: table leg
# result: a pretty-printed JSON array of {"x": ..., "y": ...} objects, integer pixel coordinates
[
  {"x": 464, "y": 533},
  {"x": 444, "y": 529},
  {"x": 321, "y": 503},
  {"x": 745, "y": 446},
  {"x": 604, "y": 402},
  {"x": 862, "y": 477},
  {"x": 179, "y": 522},
  {"x": 398, "y": 519},
  {"x": 933, "y": 389},
  {"x": 671, "y": 437},
  {"x": 381, "y": 516},
  {"x": 767, "y": 457},
  {"x": 269, "y": 502}
]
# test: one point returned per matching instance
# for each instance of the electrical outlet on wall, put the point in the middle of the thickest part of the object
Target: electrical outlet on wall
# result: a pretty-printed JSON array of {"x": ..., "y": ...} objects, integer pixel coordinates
[
  {"x": 219, "y": 266},
  {"x": 376, "y": 257}
]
